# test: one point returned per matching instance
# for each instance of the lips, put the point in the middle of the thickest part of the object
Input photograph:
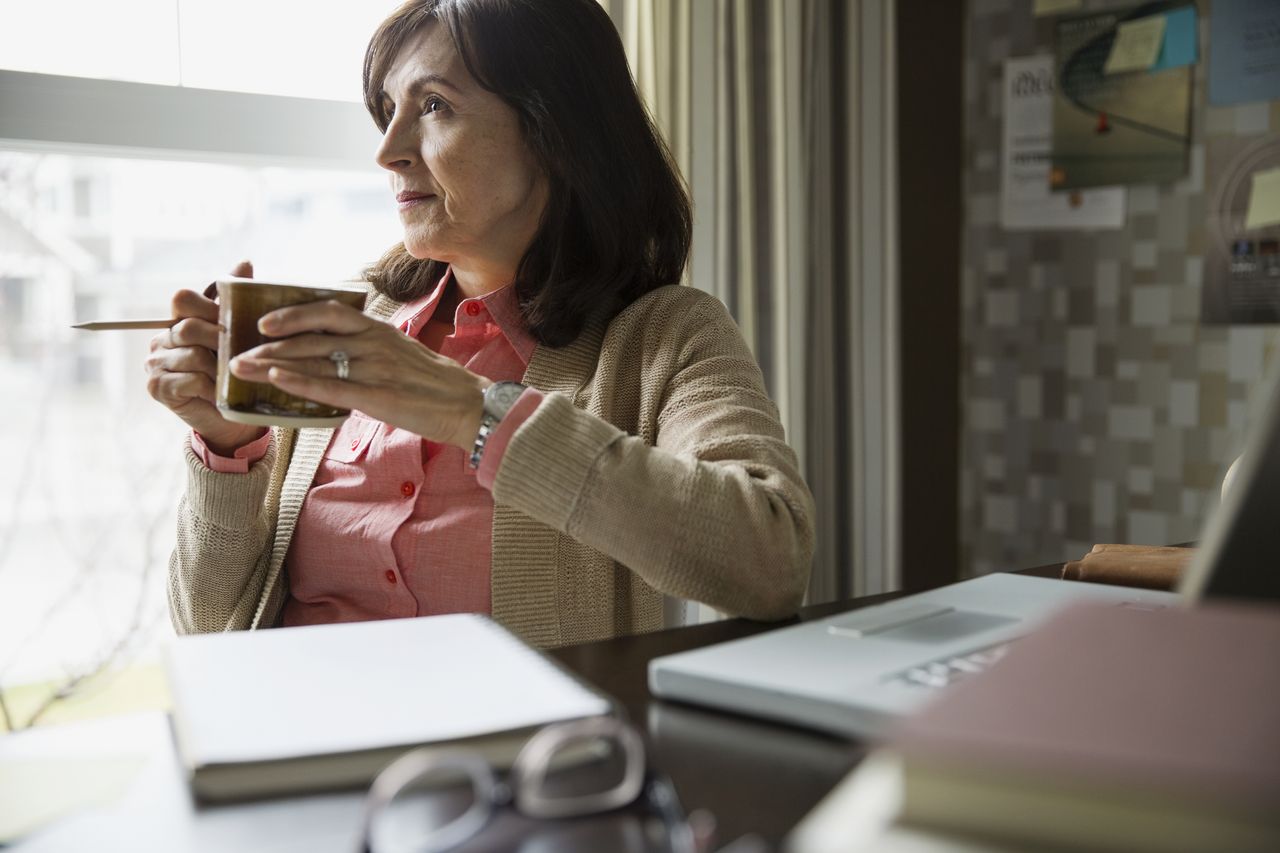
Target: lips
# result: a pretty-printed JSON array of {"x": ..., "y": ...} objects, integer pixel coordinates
[{"x": 408, "y": 200}]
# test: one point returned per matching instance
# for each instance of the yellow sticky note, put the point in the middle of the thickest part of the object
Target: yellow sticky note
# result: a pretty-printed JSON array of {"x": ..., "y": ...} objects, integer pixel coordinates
[
  {"x": 36, "y": 792},
  {"x": 1137, "y": 45},
  {"x": 1264, "y": 200}
]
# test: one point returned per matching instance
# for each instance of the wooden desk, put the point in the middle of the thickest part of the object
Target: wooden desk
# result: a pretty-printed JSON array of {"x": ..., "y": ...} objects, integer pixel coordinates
[{"x": 753, "y": 776}]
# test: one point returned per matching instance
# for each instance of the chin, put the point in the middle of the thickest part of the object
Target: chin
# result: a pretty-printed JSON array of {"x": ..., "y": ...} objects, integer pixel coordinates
[
  {"x": 423, "y": 244},
  {"x": 422, "y": 249}
]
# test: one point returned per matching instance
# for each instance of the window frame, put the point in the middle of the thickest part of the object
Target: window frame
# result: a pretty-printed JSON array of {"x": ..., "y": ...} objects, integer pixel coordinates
[{"x": 121, "y": 119}]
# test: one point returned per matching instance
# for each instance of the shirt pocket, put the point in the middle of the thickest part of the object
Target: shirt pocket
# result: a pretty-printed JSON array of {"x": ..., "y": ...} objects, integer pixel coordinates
[{"x": 351, "y": 441}]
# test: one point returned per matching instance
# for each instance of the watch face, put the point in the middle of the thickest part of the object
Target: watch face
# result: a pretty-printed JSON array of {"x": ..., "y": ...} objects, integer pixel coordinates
[{"x": 501, "y": 397}]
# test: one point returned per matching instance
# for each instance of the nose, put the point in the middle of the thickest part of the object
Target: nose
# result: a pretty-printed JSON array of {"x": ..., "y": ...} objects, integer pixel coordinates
[{"x": 399, "y": 148}]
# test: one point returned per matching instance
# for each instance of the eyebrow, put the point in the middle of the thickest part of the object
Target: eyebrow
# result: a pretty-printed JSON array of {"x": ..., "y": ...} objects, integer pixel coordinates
[{"x": 423, "y": 82}]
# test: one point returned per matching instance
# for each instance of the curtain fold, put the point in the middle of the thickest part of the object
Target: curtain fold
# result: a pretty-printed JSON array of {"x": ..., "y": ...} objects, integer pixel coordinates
[{"x": 779, "y": 115}]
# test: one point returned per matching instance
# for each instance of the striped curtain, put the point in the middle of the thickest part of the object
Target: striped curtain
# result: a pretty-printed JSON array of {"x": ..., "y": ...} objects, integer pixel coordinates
[{"x": 780, "y": 116}]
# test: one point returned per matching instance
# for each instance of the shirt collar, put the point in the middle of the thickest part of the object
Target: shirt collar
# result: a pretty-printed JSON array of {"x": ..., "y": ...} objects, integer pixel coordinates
[
  {"x": 502, "y": 306},
  {"x": 411, "y": 316}
]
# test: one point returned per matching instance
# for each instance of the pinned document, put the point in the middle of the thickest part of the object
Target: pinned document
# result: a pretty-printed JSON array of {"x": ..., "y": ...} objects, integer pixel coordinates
[
  {"x": 1137, "y": 45},
  {"x": 1244, "y": 52},
  {"x": 1026, "y": 200},
  {"x": 1264, "y": 200},
  {"x": 1114, "y": 129}
]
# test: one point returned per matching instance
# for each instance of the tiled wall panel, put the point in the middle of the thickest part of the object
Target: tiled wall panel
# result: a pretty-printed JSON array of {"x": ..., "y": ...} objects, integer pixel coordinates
[{"x": 1096, "y": 407}]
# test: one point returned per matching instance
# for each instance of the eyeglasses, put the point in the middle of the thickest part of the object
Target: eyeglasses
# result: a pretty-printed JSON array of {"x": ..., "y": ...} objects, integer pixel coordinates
[{"x": 429, "y": 801}]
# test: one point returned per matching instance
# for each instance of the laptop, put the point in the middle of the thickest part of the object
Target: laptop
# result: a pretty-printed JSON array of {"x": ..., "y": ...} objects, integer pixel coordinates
[{"x": 854, "y": 673}]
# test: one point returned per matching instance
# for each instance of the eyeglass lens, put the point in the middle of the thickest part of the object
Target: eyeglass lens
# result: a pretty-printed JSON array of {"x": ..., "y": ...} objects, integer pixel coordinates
[
  {"x": 429, "y": 812},
  {"x": 579, "y": 770}
]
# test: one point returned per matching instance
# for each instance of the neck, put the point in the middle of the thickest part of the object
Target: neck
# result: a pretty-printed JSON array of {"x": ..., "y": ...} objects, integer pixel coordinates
[{"x": 473, "y": 281}]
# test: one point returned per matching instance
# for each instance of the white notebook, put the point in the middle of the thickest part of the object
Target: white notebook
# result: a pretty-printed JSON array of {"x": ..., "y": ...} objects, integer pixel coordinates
[{"x": 295, "y": 709}]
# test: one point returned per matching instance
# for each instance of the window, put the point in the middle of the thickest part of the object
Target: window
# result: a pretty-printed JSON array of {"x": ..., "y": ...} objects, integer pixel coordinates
[
  {"x": 283, "y": 47},
  {"x": 69, "y": 37},
  {"x": 91, "y": 229},
  {"x": 277, "y": 47},
  {"x": 94, "y": 466}
]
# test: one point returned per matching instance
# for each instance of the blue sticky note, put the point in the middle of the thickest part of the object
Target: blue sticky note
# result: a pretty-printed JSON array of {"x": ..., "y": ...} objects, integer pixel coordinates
[{"x": 1179, "y": 46}]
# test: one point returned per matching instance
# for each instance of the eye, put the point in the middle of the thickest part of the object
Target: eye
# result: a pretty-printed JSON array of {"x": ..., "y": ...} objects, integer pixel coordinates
[{"x": 433, "y": 105}]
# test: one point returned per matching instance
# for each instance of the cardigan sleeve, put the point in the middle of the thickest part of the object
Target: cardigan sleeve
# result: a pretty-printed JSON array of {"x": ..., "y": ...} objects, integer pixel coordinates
[
  {"x": 714, "y": 510},
  {"x": 217, "y": 570}
]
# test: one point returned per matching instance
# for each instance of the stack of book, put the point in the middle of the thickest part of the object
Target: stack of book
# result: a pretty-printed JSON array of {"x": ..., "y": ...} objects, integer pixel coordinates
[{"x": 1110, "y": 728}]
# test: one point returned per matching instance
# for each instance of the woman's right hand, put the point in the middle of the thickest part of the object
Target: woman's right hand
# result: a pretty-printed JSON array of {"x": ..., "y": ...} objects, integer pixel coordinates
[{"x": 183, "y": 366}]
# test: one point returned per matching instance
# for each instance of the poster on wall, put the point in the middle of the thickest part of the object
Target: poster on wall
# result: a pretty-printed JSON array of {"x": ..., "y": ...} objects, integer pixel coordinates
[
  {"x": 1122, "y": 104},
  {"x": 1244, "y": 51},
  {"x": 1242, "y": 244},
  {"x": 1026, "y": 201}
]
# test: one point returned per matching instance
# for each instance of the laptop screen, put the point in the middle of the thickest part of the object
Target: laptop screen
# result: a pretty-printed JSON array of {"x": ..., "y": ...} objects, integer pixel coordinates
[{"x": 1239, "y": 550}]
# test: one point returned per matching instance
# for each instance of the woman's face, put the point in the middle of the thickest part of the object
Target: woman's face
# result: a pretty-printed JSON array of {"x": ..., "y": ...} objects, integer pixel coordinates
[{"x": 469, "y": 189}]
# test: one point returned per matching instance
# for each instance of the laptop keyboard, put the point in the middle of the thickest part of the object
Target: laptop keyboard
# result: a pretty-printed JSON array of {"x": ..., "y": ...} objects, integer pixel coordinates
[{"x": 944, "y": 671}]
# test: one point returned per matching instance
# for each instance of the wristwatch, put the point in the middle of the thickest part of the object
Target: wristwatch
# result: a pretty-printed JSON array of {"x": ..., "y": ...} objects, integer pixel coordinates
[{"x": 498, "y": 400}]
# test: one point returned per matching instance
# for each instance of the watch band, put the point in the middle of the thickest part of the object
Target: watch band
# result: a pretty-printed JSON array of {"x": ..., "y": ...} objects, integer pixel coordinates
[
  {"x": 482, "y": 437},
  {"x": 498, "y": 400}
]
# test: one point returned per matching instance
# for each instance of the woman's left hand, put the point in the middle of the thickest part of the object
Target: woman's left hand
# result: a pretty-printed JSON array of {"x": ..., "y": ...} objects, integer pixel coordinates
[{"x": 392, "y": 377}]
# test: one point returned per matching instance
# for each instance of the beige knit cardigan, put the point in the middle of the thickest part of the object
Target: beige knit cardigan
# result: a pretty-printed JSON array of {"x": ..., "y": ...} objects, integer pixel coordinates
[{"x": 655, "y": 464}]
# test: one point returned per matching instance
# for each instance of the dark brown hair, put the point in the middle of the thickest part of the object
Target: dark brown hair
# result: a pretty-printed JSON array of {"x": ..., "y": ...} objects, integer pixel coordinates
[{"x": 618, "y": 219}]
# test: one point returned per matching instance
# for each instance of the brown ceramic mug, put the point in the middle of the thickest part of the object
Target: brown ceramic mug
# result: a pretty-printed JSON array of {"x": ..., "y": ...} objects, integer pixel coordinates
[{"x": 241, "y": 303}]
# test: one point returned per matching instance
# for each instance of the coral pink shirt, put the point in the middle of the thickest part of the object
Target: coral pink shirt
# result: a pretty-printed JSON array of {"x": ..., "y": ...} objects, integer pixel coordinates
[{"x": 395, "y": 525}]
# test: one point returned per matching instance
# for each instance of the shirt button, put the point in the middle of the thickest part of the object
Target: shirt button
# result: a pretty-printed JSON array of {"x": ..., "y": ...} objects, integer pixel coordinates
[
  {"x": 407, "y": 489},
  {"x": 473, "y": 309},
  {"x": 355, "y": 442},
  {"x": 391, "y": 577}
]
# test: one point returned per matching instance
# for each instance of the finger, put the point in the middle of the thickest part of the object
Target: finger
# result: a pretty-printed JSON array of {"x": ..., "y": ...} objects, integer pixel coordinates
[
  {"x": 258, "y": 369},
  {"x": 183, "y": 360},
  {"x": 192, "y": 332},
  {"x": 334, "y": 392},
  {"x": 326, "y": 316},
  {"x": 188, "y": 303},
  {"x": 313, "y": 346},
  {"x": 176, "y": 390}
]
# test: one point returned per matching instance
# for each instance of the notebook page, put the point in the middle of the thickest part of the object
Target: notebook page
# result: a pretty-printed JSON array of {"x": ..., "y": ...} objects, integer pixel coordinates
[{"x": 289, "y": 692}]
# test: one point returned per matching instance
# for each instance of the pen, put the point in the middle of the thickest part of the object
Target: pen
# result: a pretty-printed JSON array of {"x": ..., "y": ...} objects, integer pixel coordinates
[{"x": 104, "y": 325}]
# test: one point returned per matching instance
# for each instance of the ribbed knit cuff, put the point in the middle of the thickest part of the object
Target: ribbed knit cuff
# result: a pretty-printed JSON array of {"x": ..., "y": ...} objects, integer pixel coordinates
[
  {"x": 229, "y": 501},
  {"x": 550, "y": 458}
]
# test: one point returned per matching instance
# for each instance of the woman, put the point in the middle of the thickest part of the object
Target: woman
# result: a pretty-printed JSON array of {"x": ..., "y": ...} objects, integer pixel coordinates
[{"x": 547, "y": 427}]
